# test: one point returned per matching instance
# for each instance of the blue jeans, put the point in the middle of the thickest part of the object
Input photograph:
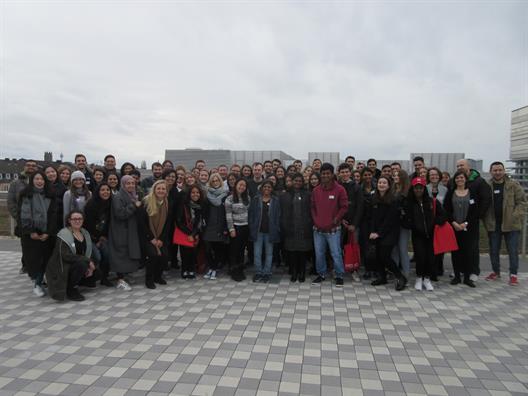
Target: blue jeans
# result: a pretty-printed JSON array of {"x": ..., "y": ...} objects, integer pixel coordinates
[
  {"x": 400, "y": 252},
  {"x": 321, "y": 240},
  {"x": 512, "y": 244},
  {"x": 262, "y": 243}
]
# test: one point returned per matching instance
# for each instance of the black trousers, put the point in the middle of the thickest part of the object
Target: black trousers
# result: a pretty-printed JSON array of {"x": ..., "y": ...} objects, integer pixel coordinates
[
  {"x": 237, "y": 246},
  {"x": 439, "y": 264},
  {"x": 384, "y": 261},
  {"x": 363, "y": 240},
  {"x": 423, "y": 255},
  {"x": 188, "y": 256},
  {"x": 76, "y": 273},
  {"x": 36, "y": 255},
  {"x": 464, "y": 261},
  {"x": 297, "y": 263},
  {"x": 215, "y": 254}
]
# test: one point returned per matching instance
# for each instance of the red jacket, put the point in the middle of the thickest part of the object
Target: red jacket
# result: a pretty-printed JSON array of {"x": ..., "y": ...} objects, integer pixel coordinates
[{"x": 329, "y": 205}]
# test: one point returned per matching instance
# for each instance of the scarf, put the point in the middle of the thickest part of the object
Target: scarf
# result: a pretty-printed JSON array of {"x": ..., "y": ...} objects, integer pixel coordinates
[
  {"x": 216, "y": 195},
  {"x": 34, "y": 211},
  {"x": 133, "y": 195},
  {"x": 157, "y": 222}
]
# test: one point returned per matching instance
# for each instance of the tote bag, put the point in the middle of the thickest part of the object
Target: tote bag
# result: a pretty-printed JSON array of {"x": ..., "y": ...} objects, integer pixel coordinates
[
  {"x": 444, "y": 239},
  {"x": 181, "y": 238},
  {"x": 351, "y": 254}
]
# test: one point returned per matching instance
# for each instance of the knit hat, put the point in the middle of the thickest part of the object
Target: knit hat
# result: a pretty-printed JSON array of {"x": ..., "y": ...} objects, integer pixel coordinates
[{"x": 78, "y": 175}]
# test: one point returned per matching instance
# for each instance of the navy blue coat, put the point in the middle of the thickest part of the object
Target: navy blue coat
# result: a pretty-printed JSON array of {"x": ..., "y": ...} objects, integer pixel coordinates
[{"x": 255, "y": 214}]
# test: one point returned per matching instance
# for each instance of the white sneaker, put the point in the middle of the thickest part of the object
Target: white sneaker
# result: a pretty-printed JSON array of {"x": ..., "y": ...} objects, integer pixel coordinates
[
  {"x": 355, "y": 277},
  {"x": 213, "y": 275},
  {"x": 208, "y": 275},
  {"x": 473, "y": 277},
  {"x": 122, "y": 285},
  {"x": 38, "y": 291},
  {"x": 418, "y": 284},
  {"x": 427, "y": 284}
]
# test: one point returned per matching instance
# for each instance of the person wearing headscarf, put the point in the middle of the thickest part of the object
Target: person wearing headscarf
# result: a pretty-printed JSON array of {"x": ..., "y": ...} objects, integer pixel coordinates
[{"x": 125, "y": 251}]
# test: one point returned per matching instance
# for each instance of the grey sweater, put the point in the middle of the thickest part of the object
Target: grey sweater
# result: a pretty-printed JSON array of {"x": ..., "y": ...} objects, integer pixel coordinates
[{"x": 236, "y": 213}]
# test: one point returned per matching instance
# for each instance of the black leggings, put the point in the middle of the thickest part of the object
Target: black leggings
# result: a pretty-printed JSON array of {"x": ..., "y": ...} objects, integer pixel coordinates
[
  {"x": 188, "y": 256},
  {"x": 215, "y": 254},
  {"x": 384, "y": 261},
  {"x": 423, "y": 255},
  {"x": 464, "y": 261},
  {"x": 297, "y": 262},
  {"x": 237, "y": 247}
]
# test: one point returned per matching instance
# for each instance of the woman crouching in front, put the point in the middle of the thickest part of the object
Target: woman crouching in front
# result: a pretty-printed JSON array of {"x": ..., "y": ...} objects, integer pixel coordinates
[{"x": 71, "y": 260}]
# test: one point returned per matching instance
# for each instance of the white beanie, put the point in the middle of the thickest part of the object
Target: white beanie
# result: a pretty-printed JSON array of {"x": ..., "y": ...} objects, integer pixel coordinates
[{"x": 78, "y": 175}]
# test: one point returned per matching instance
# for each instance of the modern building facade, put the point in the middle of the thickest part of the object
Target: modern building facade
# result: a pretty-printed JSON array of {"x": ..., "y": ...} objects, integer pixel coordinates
[
  {"x": 519, "y": 145},
  {"x": 446, "y": 162}
]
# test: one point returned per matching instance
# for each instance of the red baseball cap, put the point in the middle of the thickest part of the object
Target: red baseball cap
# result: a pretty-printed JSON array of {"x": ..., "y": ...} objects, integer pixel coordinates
[{"x": 419, "y": 180}]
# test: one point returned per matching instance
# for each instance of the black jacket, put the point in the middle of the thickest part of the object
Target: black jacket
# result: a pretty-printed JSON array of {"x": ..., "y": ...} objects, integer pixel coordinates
[
  {"x": 481, "y": 192},
  {"x": 385, "y": 221},
  {"x": 419, "y": 217},
  {"x": 355, "y": 203},
  {"x": 287, "y": 223},
  {"x": 472, "y": 216},
  {"x": 145, "y": 235},
  {"x": 97, "y": 218},
  {"x": 185, "y": 223}
]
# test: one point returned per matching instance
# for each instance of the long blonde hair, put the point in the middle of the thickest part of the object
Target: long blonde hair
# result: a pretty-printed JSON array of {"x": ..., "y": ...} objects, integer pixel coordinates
[
  {"x": 151, "y": 202},
  {"x": 213, "y": 177}
]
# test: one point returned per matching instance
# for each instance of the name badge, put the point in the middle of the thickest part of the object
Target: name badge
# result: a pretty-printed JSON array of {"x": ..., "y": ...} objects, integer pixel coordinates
[
  {"x": 471, "y": 201},
  {"x": 300, "y": 198},
  {"x": 331, "y": 197},
  {"x": 497, "y": 191}
]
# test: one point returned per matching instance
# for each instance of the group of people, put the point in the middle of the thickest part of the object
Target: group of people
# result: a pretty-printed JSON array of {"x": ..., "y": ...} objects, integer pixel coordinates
[{"x": 78, "y": 225}]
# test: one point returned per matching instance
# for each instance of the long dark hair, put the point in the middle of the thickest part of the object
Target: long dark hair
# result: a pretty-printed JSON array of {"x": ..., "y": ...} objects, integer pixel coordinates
[
  {"x": 187, "y": 194},
  {"x": 388, "y": 197},
  {"x": 97, "y": 199},
  {"x": 245, "y": 194},
  {"x": 29, "y": 190}
]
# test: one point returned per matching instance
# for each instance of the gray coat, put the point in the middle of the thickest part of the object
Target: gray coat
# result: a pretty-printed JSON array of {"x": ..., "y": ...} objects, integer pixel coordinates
[
  {"x": 13, "y": 194},
  {"x": 123, "y": 234}
]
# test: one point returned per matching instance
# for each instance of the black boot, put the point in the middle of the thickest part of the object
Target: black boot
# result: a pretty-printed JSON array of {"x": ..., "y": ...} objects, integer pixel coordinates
[
  {"x": 74, "y": 295},
  {"x": 401, "y": 282},
  {"x": 293, "y": 271},
  {"x": 301, "y": 272}
]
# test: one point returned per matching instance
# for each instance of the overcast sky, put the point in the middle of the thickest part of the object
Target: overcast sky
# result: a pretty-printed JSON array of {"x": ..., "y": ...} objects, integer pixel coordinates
[{"x": 379, "y": 79}]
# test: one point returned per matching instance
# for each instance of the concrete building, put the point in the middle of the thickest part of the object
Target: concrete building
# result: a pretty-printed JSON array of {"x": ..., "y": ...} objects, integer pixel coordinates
[
  {"x": 215, "y": 157},
  {"x": 325, "y": 156},
  {"x": 443, "y": 161},
  {"x": 519, "y": 145}
]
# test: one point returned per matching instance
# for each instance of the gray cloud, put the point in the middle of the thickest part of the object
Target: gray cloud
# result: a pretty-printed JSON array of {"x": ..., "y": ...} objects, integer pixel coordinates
[{"x": 376, "y": 79}]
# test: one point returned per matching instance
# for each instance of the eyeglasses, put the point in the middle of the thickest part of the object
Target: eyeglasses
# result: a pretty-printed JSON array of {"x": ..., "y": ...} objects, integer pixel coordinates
[{"x": 76, "y": 219}]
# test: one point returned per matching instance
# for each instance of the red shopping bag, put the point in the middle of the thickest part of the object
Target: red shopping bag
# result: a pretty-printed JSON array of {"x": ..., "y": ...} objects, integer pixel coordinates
[
  {"x": 351, "y": 254},
  {"x": 444, "y": 239},
  {"x": 181, "y": 238}
]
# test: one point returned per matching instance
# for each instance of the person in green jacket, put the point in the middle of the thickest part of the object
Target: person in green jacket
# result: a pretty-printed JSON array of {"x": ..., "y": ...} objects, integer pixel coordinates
[
  {"x": 71, "y": 260},
  {"x": 504, "y": 219}
]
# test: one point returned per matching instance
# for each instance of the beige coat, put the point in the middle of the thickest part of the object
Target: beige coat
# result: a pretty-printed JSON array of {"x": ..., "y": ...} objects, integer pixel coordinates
[{"x": 513, "y": 207}]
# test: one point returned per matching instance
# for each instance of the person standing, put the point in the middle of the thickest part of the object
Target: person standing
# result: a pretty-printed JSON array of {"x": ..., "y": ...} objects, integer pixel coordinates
[
  {"x": 504, "y": 220},
  {"x": 237, "y": 213},
  {"x": 400, "y": 190},
  {"x": 264, "y": 229},
  {"x": 368, "y": 189},
  {"x": 82, "y": 165},
  {"x": 463, "y": 213},
  {"x": 97, "y": 222},
  {"x": 147, "y": 182},
  {"x": 125, "y": 251},
  {"x": 154, "y": 225},
  {"x": 437, "y": 191},
  {"x": 59, "y": 189},
  {"x": 37, "y": 213},
  {"x": 13, "y": 198},
  {"x": 352, "y": 218},
  {"x": 384, "y": 231},
  {"x": 215, "y": 234},
  {"x": 190, "y": 221},
  {"x": 481, "y": 194},
  {"x": 329, "y": 205},
  {"x": 421, "y": 216},
  {"x": 256, "y": 180},
  {"x": 77, "y": 195},
  {"x": 110, "y": 164},
  {"x": 296, "y": 227}
]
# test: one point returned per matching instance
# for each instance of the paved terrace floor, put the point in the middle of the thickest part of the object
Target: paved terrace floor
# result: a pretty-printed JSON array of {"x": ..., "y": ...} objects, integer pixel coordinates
[{"x": 223, "y": 338}]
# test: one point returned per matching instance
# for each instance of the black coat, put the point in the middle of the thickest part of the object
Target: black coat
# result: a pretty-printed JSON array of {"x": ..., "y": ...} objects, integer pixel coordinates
[
  {"x": 146, "y": 235},
  {"x": 97, "y": 218},
  {"x": 355, "y": 203},
  {"x": 385, "y": 221},
  {"x": 419, "y": 217},
  {"x": 296, "y": 232},
  {"x": 215, "y": 223},
  {"x": 185, "y": 223},
  {"x": 472, "y": 217}
]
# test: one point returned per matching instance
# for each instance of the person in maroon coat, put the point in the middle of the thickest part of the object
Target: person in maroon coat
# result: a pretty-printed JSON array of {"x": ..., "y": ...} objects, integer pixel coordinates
[{"x": 329, "y": 206}]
